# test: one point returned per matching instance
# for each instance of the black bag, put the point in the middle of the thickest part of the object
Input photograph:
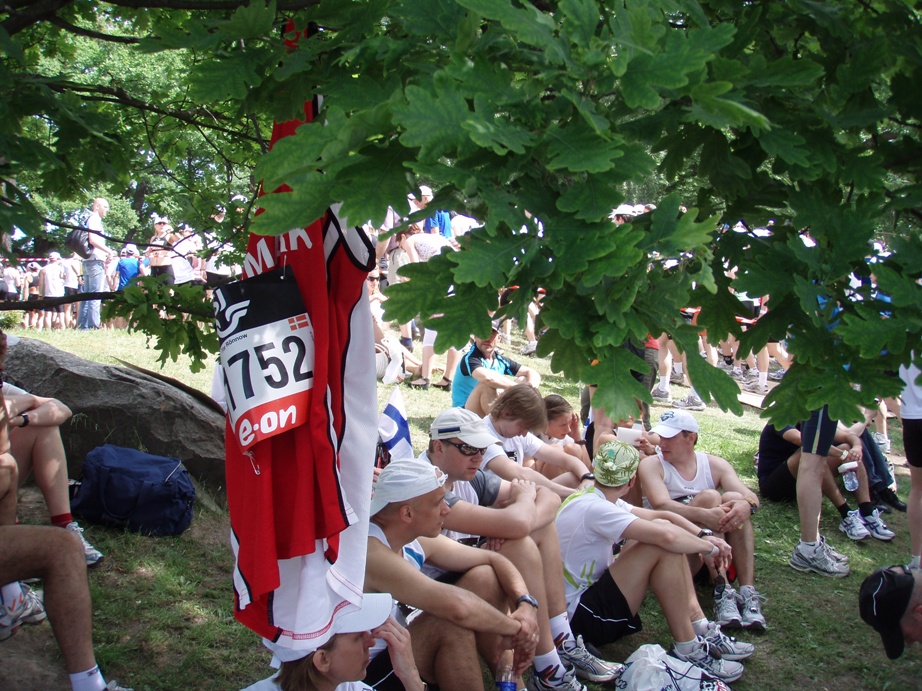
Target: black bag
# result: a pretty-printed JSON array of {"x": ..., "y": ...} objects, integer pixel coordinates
[
  {"x": 126, "y": 488},
  {"x": 78, "y": 241}
]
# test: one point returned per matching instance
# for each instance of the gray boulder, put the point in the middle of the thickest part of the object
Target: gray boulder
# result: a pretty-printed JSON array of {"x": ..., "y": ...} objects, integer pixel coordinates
[{"x": 121, "y": 406}]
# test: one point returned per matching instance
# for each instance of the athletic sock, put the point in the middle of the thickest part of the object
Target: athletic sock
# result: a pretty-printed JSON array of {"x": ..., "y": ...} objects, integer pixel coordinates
[
  {"x": 89, "y": 680},
  {"x": 664, "y": 383},
  {"x": 561, "y": 631},
  {"x": 807, "y": 547},
  {"x": 866, "y": 509},
  {"x": 915, "y": 562},
  {"x": 549, "y": 665},
  {"x": 843, "y": 510},
  {"x": 686, "y": 648},
  {"x": 763, "y": 378},
  {"x": 747, "y": 590},
  {"x": 61, "y": 520},
  {"x": 677, "y": 367},
  {"x": 701, "y": 626},
  {"x": 11, "y": 595}
]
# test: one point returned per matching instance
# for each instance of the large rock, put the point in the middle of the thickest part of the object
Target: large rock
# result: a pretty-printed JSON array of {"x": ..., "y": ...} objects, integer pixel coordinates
[{"x": 116, "y": 405}]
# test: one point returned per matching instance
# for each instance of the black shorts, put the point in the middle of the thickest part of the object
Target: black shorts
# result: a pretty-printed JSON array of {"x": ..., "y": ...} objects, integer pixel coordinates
[
  {"x": 912, "y": 442},
  {"x": 818, "y": 432},
  {"x": 166, "y": 271},
  {"x": 380, "y": 674},
  {"x": 603, "y": 615},
  {"x": 779, "y": 485}
]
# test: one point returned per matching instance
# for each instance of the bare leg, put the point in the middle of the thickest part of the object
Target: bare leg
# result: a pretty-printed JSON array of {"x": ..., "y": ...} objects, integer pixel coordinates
[
  {"x": 524, "y": 554},
  {"x": 9, "y": 483},
  {"x": 481, "y": 399},
  {"x": 809, "y": 494},
  {"x": 41, "y": 451},
  {"x": 641, "y": 566},
  {"x": 915, "y": 510},
  {"x": 445, "y": 654},
  {"x": 56, "y": 556}
]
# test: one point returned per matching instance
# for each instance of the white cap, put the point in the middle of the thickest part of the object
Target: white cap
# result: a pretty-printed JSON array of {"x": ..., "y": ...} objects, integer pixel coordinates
[
  {"x": 54, "y": 256},
  {"x": 374, "y": 611},
  {"x": 639, "y": 209},
  {"x": 623, "y": 210},
  {"x": 425, "y": 191},
  {"x": 674, "y": 421},
  {"x": 463, "y": 424},
  {"x": 402, "y": 480},
  {"x": 161, "y": 219}
]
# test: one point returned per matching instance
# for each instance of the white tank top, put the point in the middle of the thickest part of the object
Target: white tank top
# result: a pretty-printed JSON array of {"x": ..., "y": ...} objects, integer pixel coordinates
[{"x": 678, "y": 486}]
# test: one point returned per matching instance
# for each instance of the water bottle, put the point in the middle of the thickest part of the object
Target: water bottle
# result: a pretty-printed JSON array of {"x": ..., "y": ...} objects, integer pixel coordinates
[
  {"x": 847, "y": 470},
  {"x": 505, "y": 677}
]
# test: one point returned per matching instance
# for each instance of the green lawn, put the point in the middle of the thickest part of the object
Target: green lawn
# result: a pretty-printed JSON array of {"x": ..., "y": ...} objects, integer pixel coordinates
[{"x": 163, "y": 606}]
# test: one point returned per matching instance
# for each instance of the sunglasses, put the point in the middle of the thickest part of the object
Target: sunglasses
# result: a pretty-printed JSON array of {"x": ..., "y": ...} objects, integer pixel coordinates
[
  {"x": 465, "y": 449},
  {"x": 373, "y": 279}
]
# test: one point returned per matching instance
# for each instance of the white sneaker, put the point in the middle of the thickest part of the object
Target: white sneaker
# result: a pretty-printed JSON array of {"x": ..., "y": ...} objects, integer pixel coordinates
[
  {"x": 751, "y": 610},
  {"x": 690, "y": 402},
  {"x": 853, "y": 526},
  {"x": 725, "y": 670},
  {"x": 728, "y": 647},
  {"x": 588, "y": 666},
  {"x": 726, "y": 608},
  {"x": 28, "y": 610},
  {"x": 753, "y": 387},
  {"x": 93, "y": 555},
  {"x": 877, "y": 528},
  {"x": 660, "y": 396},
  {"x": 820, "y": 561}
]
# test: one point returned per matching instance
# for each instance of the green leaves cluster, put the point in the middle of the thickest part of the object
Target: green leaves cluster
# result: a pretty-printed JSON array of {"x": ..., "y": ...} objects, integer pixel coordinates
[{"x": 539, "y": 118}]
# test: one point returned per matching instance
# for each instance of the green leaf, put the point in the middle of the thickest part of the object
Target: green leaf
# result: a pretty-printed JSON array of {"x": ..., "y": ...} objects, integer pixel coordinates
[
  {"x": 528, "y": 24},
  {"x": 223, "y": 79},
  {"x": 787, "y": 145},
  {"x": 644, "y": 73},
  {"x": 577, "y": 148},
  {"x": 617, "y": 387},
  {"x": 487, "y": 260},
  {"x": 490, "y": 130},
  {"x": 380, "y": 173},
  {"x": 581, "y": 17},
  {"x": 592, "y": 198},
  {"x": 432, "y": 122},
  {"x": 785, "y": 72},
  {"x": 285, "y": 210},
  {"x": 250, "y": 21}
]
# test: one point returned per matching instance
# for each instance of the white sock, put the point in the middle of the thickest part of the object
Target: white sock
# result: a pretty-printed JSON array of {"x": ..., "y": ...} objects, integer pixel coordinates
[
  {"x": 700, "y": 626},
  {"x": 686, "y": 648},
  {"x": 807, "y": 547},
  {"x": 747, "y": 589},
  {"x": 664, "y": 383},
  {"x": 693, "y": 394},
  {"x": 550, "y": 661},
  {"x": 90, "y": 680},
  {"x": 561, "y": 631},
  {"x": 677, "y": 367},
  {"x": 914, "y": 564},
  {"x": 11, "y": 595},
  {"x": 763, "y": 378}
]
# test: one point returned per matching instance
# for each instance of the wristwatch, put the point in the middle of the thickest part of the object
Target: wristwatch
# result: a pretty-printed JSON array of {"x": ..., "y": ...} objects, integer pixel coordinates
[
  {"x": 753, "y": 507},
  {"x": 25, "y": 419},
  {"x": 528, "y": 599},
  {"x": 704, "y": 532},
  {"x": 587, "y": 476}
]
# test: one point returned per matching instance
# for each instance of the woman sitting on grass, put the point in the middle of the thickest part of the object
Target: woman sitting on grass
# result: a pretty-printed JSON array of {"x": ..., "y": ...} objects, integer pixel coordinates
[{"x": 341, "y": 662}]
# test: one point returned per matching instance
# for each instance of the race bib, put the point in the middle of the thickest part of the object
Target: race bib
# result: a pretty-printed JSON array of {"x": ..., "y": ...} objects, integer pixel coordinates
[{"x": 267, "y": 354}]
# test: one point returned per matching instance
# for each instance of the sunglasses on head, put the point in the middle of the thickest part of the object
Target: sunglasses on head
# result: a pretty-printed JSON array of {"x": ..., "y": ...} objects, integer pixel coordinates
[{"x": 465, "y": 449}]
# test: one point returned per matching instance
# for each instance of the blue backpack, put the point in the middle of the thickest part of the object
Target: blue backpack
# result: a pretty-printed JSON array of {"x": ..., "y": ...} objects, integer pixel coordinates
[{"x": 126, "y": 488}]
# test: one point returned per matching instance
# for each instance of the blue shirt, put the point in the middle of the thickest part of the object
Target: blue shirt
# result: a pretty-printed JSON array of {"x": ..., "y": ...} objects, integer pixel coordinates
[{"x": 464, "y": 381}]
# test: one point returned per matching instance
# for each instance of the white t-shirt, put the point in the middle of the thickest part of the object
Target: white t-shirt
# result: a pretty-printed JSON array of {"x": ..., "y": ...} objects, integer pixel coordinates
[
  {"x": 182, "y": 267},
  {"x": 11, "y": 390},
  {"x": 912, "y": 393},
  {"x": 97, "y": 242},
  {"x": 516, "y": 448},
  {"x": 588, "y": 525}
]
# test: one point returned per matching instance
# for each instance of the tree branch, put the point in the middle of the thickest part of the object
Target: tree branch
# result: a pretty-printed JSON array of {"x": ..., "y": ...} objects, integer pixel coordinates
[
  {"x": 120, "y": 96},
  {"x": 32, "y": 305},
  {"x": 290, "y": 6},
  {"x": 30, "y": 14},
  {"x": 89, "y": 33}
]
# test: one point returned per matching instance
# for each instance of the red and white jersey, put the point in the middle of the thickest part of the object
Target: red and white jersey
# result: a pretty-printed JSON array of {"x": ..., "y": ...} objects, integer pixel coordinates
[{"x": 299, "y": 500}]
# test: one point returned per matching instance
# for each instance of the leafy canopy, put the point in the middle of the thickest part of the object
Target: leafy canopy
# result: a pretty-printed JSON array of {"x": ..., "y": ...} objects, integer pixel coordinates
[{"x": 802, "y": 112}]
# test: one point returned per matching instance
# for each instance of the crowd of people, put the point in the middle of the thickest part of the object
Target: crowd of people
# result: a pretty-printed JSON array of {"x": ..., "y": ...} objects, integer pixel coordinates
[{"x": 178, "y": 255}]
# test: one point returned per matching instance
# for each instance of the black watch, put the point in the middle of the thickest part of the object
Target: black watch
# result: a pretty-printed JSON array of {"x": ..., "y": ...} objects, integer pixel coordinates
[
  {"x": 704, "y": 532},
  {"x": 587, "y": 476},
  {"x": 529, "y": 599},
  {"x": 25, "y": 419}
]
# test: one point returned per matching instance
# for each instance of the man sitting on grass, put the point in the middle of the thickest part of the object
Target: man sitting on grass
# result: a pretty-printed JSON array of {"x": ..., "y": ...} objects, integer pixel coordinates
[
  {"x": 487, "y": 610},
  {"x": 706, "y": 490},
  {"x": 779, "y": 460},
  {"x": 517, "y": 520},
  {"x": 890, "y": 601},
  {"x": 604, "y": 596}
]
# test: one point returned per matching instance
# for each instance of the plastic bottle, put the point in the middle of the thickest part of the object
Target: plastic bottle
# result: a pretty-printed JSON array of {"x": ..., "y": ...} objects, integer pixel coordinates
[
  {"x": 505, "y": 677},
  {"x": 847, "y": 470}
]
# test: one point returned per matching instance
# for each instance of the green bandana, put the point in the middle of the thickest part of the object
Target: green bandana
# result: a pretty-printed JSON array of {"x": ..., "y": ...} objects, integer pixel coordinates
[{"x": 615, "y": 463}]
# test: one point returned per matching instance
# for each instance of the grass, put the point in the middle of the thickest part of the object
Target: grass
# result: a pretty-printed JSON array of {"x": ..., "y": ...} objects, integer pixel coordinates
[{"x": 163, "y": 606}]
